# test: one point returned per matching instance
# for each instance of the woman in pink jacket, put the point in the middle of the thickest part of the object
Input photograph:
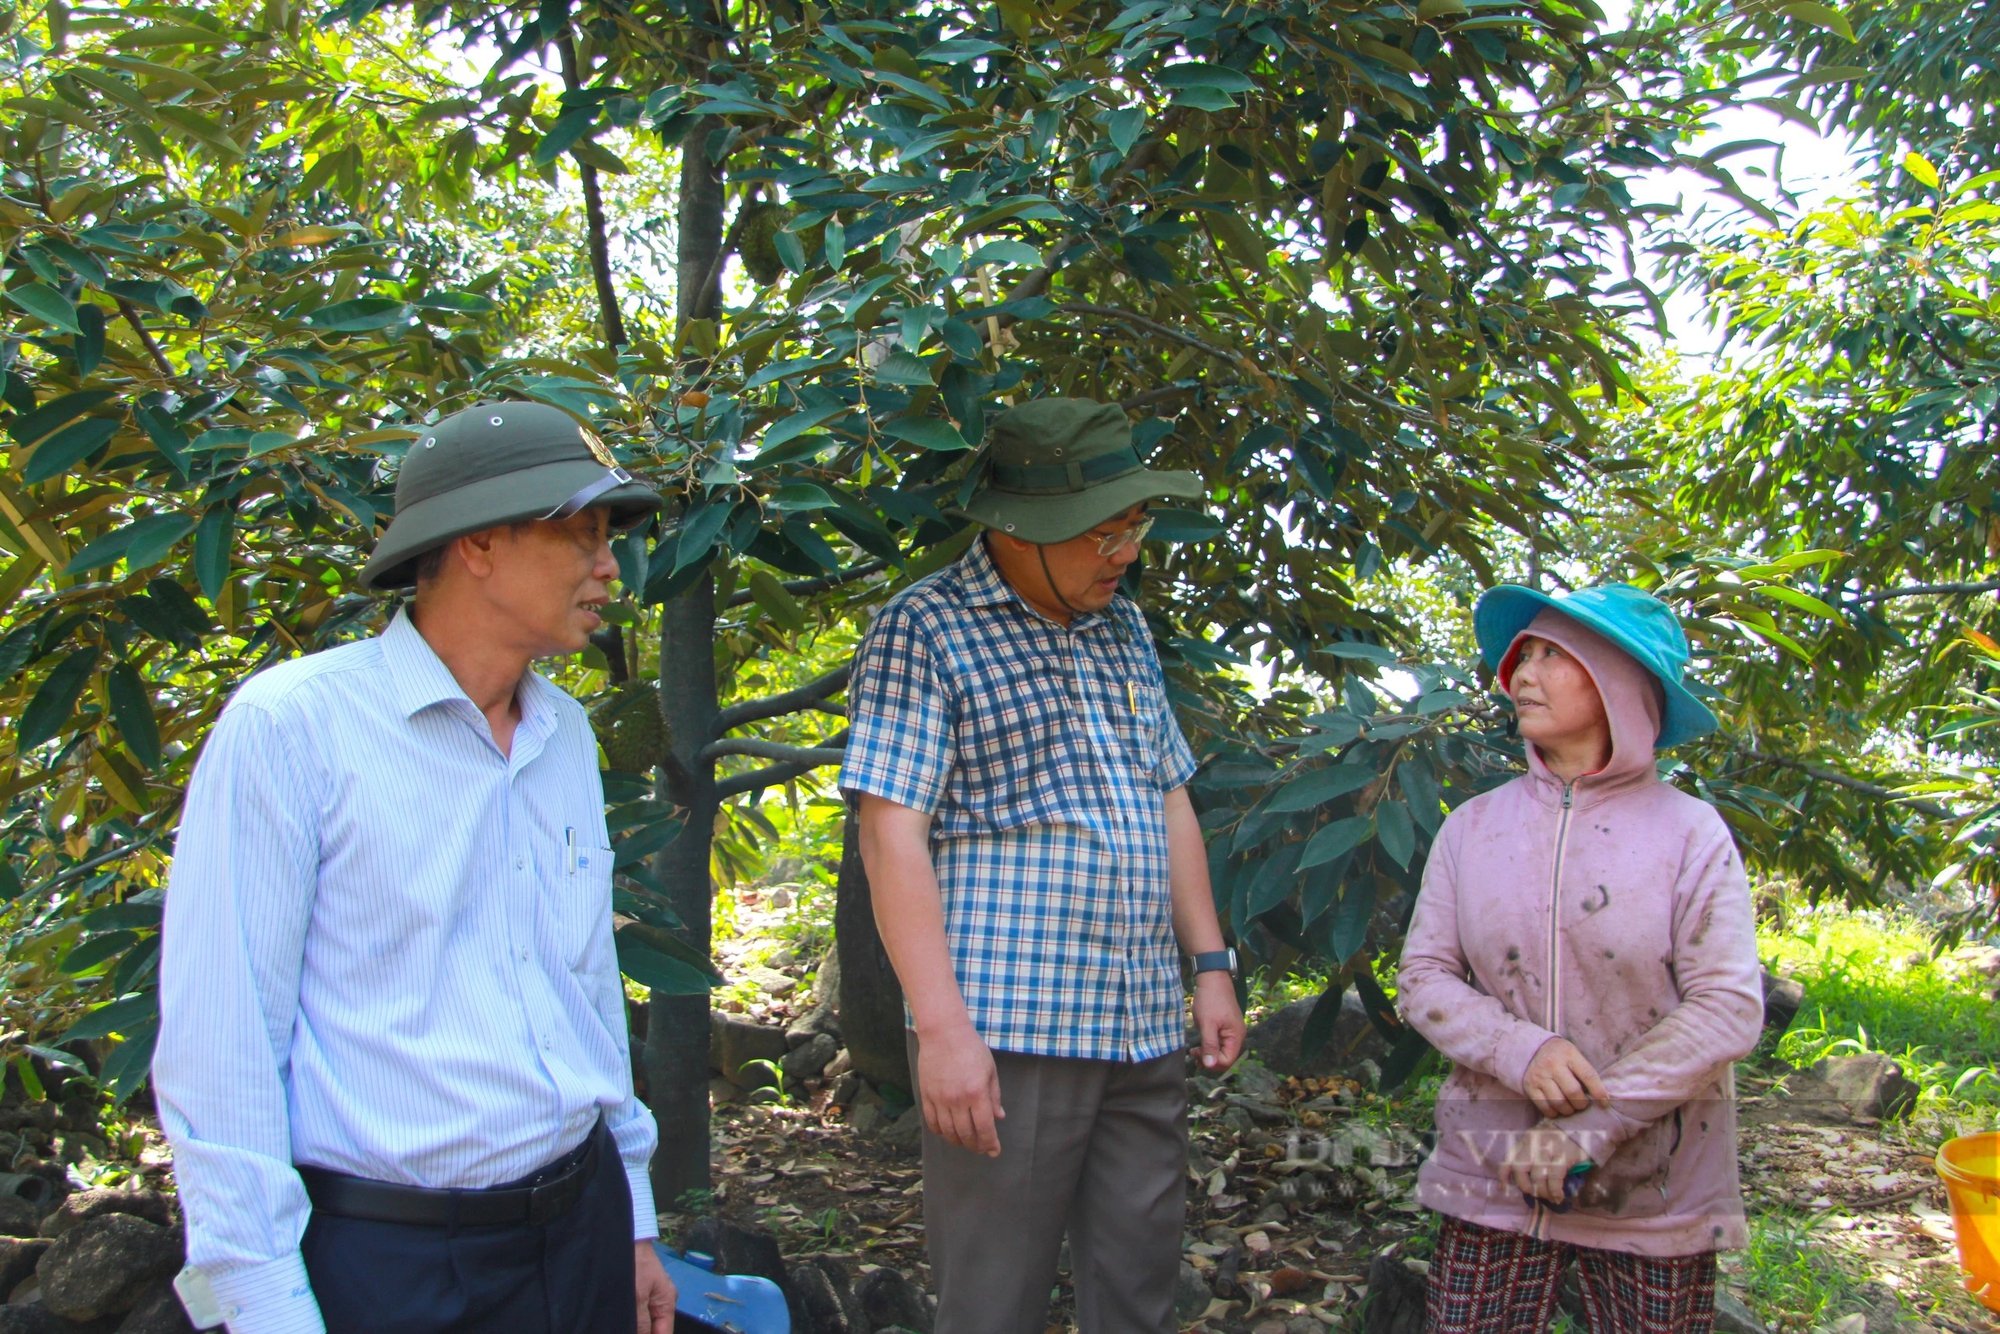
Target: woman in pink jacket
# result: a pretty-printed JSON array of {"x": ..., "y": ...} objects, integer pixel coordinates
[{"x": 1584, "y": 952}]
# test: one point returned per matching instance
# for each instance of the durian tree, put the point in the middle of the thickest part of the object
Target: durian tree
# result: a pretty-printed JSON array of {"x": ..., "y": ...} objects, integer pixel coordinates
[{"x": 1351, "y": 264}]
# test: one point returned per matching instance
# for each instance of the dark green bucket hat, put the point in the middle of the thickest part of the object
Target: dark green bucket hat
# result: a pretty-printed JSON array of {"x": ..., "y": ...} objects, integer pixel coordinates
[
  {"x": 1058, "y": 467},
  {"x": 499, "y": 463}
]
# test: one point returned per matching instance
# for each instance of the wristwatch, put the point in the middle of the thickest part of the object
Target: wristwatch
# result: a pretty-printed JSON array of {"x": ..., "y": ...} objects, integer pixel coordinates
[{"x": 1216, "y": 961}]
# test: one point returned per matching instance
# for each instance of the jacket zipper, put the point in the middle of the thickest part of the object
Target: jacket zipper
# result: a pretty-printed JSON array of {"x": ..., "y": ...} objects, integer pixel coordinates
[{"x": 1551, "y": 973}]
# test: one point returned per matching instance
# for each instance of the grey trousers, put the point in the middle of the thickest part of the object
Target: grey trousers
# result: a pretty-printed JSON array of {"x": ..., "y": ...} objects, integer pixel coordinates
[{"x": 1094, "y": 1148}]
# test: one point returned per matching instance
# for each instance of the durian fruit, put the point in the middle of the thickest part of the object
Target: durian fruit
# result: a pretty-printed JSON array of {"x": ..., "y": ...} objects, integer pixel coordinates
[
  {"x": 757, "y": 241},
  {"x": 631, "y": 728}
]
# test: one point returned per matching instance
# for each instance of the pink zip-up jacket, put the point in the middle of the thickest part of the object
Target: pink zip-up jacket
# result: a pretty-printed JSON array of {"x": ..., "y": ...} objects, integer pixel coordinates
[{"x": 1612, "y": 911}]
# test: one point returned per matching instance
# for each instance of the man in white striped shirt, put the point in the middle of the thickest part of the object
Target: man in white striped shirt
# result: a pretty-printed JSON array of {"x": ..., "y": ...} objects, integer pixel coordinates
[{"x": 393, "y": 1060}]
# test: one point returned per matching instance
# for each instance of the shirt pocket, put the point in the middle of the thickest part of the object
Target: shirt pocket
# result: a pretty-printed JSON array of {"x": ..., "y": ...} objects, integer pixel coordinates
[{"x": 583, "y": 907}]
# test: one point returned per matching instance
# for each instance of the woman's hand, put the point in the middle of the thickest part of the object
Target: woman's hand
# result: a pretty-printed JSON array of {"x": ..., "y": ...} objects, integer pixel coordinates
[
  {"x": 1538, "y": 1160},
  {"x": 1561, "y": 1082}
]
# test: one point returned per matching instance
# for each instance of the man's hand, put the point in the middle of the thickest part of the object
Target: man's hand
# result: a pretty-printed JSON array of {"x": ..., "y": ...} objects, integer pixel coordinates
[
  {"x": 960, "y": 1089},
  {"x": 1538, "y": 1160},
  {"x": 656, "y": 1295},
  {"x": 1561, "y": 1082},
  {"x": 1219, "y": 1020}
]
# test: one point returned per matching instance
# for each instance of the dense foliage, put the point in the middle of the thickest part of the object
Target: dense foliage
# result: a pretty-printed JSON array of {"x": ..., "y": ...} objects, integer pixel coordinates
[{"x": 1354, "y": 265}]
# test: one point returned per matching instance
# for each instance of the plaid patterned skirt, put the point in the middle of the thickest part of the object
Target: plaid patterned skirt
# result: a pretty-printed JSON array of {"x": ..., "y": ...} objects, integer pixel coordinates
[{"x": 1485, "y": 1281}]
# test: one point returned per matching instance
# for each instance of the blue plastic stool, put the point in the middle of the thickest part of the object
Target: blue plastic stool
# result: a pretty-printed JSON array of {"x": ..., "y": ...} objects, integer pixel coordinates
[{"x": 727, "y": 1303}]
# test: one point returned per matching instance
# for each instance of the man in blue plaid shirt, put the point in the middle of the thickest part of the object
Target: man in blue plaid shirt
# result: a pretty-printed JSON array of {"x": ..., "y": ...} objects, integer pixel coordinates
[{"x": 1037, "y": 868}]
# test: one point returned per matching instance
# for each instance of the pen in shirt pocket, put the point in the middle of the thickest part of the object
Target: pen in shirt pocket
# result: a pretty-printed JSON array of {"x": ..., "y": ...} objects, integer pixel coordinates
[
  {"x": 569, "y": 849},
  {"x": 1131, "y": 697}
]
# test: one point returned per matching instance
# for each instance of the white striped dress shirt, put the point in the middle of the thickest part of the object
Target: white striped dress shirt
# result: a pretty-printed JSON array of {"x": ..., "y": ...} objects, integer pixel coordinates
[{"x": 387, "y": 952}]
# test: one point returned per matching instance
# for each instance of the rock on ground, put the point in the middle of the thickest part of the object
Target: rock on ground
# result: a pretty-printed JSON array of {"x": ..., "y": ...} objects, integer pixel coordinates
[
  {"x": 1869, "y": 1084},
  {"x": 158, "y": 1311},
  {"x": 34, "y": 1318},
  {"x": 1395, "y": 1298},
  {"x": 1191, "y": 1294},
  {"x": 1782, "y": 998},
  {"x": 810, "y": 1057},
  {"x": 18, "y": 1218},
  {"x": 147, "y": 1204},
  {"x": 18, "y": 1257},
  {"x": 826, "y": 1300},
  {"x": 102, "y": 1265},
  {"x": 888, "y": 1298},
  {"x": 734, "y": 1042},
  {"x": 1734, "y": 1316},
  {"x": 1276, "y": 1038}
]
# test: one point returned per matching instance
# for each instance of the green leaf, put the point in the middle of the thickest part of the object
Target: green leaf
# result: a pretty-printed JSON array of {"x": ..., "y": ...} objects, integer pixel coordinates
[
  {"x": 1199, "y": 74},
  {"x": 1915, "y": 163},
  {"x": 97, "y": 950},
  {"x": 68, "y": 447},
  {"x": 132, "y": 710},
  {"x": 1347, "y": 930},
  {"x": 49, "y": 711},
  {"x": 1318, "y": 1030},
  {"x": 796, "y": 425},
  {"x": 1398, "y": 836},
  {"x": 141, "y": 544},
  {"x": 658, "y": 973},
  {"x": 32, "y": 426},
  {"x": 1004, "y": 254},
  {"x": 901, "y": 368},
  {"x": 1440, "y": 701},
  {"x": 779, "y": 605},
  {"x": 1272, "y": 883},
  {"x": 1321, "y": 785},
  {"x": 1375, "y": 653},
  {"x": 1803, "y": 601},
  {"x": 1823, "y": 17},
  {"x": 794, "y": 496},
  {"x": 1336, "y": 839},
  {"x": 1125, "y": 126},
  {"x": 119, "y": 1016},
  {"x": 958, "y": 50},
  {"x": 46, "y": 304},
  {"x": 699, "y": 531},
  {"x": 790, "y": 253},
  {"x": 1203, "y": 98},
  {"x": 126, "y": 1068},
  {"x": 214, "y": 538},
  {"x": 568, "y": 129},
  {"x": 1172, "y": 525},
  {"x": 925, "y": 433},
  {"x": 360, "y": 315}
]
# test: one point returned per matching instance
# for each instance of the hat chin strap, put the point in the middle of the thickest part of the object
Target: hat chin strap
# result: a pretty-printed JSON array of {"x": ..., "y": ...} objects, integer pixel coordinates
[
  {"x": 1042, "y": 552},
  {"x": 611, "y": 481}
]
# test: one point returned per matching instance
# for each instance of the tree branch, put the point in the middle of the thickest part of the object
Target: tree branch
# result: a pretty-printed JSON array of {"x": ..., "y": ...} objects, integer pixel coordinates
[
  {"x": 1926, "y": 590},
  {"x": 776, "y": 706},
  {"x": 826, "y": 753},
  {"x": 138, "y": 323},
  {"x": 593, "y": 214},
  {"x": 763, "y": 778},
  {"x": 1822, "y": 774},
  {"x": 817, "y": 584}
]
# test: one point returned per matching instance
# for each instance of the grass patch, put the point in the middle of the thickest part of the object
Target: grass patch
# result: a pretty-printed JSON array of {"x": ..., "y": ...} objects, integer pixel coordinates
[
  {"x": 1871, "y": 985},
  {"x": 1791, "y": 1275}
]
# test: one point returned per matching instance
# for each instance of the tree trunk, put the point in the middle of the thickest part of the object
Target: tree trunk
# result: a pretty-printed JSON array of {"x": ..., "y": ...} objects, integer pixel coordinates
[
  {"x": 700, "y": 218},
  {"x": 677, "y": 1031},
  {"x": 871, "y": 999}
]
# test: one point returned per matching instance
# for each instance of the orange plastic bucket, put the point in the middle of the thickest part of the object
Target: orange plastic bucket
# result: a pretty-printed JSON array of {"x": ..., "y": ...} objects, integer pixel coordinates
[{"x": 1971, "y": 1171}]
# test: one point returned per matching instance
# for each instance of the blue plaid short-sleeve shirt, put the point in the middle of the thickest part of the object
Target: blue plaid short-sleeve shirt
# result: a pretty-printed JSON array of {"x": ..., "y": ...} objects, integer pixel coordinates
[{"x": 1044, "y": 755}]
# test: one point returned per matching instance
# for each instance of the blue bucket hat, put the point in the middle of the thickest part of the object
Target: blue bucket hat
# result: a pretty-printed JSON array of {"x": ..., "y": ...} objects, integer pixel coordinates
[{"x": 1634, "y": 620}]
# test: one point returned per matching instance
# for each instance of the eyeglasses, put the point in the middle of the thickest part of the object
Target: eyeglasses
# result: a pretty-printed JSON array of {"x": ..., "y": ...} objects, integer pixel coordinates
[{"x": 1111, "y": 544}]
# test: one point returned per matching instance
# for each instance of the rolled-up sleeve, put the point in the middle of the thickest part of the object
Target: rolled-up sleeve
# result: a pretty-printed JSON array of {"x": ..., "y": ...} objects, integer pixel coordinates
[
  {"x": 232, "y": 947},
  {"x": 900, "y": 716}
]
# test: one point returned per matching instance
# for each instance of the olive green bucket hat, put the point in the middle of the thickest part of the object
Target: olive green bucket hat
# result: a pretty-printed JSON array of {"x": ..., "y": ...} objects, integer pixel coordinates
[
  {"x": 1058, "y": 467},
  {"x": 499, "y": 463}
]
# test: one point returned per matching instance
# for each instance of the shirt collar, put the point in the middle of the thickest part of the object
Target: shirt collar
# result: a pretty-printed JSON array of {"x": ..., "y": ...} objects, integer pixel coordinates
[
  {"x": 982, "y": 585},
  {"x": 421, "y": 679}
]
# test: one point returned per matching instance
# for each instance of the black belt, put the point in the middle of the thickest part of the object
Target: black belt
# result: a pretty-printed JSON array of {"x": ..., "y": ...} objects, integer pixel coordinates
[{"x": 540, "y": 1198}]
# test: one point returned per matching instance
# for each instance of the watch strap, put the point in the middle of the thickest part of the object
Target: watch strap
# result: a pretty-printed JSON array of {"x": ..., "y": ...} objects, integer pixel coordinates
[{"x": 1216, "y": 961}]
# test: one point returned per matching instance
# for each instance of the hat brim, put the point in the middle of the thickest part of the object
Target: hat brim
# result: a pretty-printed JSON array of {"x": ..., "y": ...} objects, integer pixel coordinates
[
  {"x": 1048, "y": 519},
  {"x": 527, "y": 494},
  {"x": 1503, "y": 612}
]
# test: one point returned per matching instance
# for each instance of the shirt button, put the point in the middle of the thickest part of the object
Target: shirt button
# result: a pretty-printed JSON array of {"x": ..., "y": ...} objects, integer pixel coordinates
[
  {"x": 520, "y": 863},
  {"x": 524, "y": 954},
  {"x": 545, "y": 1042}
]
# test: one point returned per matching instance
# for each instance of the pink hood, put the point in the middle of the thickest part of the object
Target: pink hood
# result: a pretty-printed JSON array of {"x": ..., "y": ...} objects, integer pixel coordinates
[{"x": 1614, "y": 912}]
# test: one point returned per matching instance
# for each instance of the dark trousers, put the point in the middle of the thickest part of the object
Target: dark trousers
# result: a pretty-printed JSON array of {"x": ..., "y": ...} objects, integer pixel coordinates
[
  {"x": 1094, "y": 1149},
  {"x": 569, "y": 1276}
]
